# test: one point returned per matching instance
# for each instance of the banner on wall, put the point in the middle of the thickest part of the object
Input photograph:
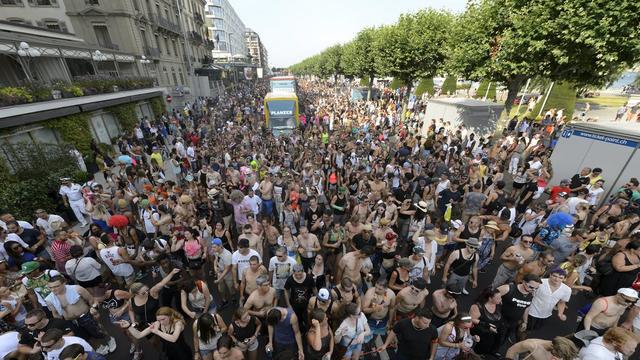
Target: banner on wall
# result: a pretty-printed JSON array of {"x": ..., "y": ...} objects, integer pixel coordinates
[
  {"x": 259, "y": 73},
  {"x": 249, "y": 73}
]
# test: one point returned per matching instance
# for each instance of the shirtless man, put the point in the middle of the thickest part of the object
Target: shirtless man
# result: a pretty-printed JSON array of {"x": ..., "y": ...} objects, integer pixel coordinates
[
  {"x": 324, "y": 302},
  {"x": 81, "y": 312},
  {"x": 266, "y": 194},
  {"x": 378, "y": 188},
  {"x": 270, "y": 234},
  {"x": 254, "y": 240},
  {"x": 559, "y": 348},
  {"x": 382, "y": 230},
  {"x": 262, "y": 299},
  {"x": 537, "y": 267},
  {"x": 355, "y": 263},
  {"x": 391, "y": 212},
  {"x": 379, "y": 304},
  {"x": 411, "y": 298},
  {"x": 345, "y": 293},
  {"x": 606, "y": 311},
  {"x": 513, "y": 258},
  {"x": 444, "y": 305},
  {"x": 248, "y": 283}
]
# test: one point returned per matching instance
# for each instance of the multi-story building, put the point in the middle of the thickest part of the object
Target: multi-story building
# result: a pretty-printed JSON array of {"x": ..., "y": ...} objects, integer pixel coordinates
[
  {"x": 168, "y": 33},
  {"x": 257, "y": 52},
  {"x": 50, "y": 14},
  {"x": 228, "y": 33}
]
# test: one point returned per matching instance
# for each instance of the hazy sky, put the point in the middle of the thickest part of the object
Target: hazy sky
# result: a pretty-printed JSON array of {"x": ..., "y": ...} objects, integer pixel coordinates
[{"x": 292, "y": 30}]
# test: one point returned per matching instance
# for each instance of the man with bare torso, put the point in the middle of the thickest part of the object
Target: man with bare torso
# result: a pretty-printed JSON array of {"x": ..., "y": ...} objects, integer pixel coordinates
[
  {"x": 410, "y": 298},
  {"x": 559, "y": 348},
  {"x": 378, "y": 188},
  {"x": 513, "y": 258},
  {"x": 606, "y": 311},
  {"x": 378, "y": 305},
  {"x": 248, "y": 283},
  {"x": 537, "y": 267},
  {"x": 444, "y": 305},
  {"x": 353, "y": 264},
  {"x": 262, "y": 299},
  {"x": 74, "y": 303}
]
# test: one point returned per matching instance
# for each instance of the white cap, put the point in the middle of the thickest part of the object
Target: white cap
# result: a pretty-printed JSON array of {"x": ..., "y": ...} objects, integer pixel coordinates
[
  {"x": 628, "y": 292},
  {"x": 323, "y": 294}
]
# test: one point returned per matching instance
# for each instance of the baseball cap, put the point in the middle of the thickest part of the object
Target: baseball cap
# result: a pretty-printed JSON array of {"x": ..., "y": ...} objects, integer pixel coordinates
[
  {"x": 216, "y": 241},
  {"x": 323, "y": 294},
  {"x": 29, "y": 267},
  {"x": 628, "y": 292},
  {"x": 418, "y": 250}
]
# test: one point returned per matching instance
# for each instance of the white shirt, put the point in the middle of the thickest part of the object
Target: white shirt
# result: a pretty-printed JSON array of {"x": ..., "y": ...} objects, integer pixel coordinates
[
  {"x": 109, "y": 256},
  {"x": 281, "y": 271},
  {"x": 46, "y": 224},
  {"x": 147, "y": 215},
  {"x": 83, "y": 269},
  {"x": 573, "y": 202},
  {"x": 11, "y": 237},
  {"x": 242, "y": 261},
  {"x": 545, "y": 300},
  {"x": 54, "y": 354},
  {"x": 72, "y": 192},
  {"x": 23, "y": 224},
  {"x": 8, "y": 343},
  {"x": 254, "y": 202},
  {"x": 596, "y": 351}
]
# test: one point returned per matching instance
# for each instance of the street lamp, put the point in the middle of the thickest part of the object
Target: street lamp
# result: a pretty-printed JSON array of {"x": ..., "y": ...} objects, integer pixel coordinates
[
  {"x": 25, "y": 55},
  {"x": 145, "y": 62},
  {"x": 99, "y": 56}
]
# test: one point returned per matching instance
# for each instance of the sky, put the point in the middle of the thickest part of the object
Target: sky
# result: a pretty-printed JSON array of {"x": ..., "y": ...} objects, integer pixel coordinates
[{"x": 292, "y": 30}]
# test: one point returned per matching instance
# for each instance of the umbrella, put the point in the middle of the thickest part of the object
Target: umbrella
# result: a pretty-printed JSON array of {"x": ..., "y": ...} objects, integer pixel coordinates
[
  {"x": 126, "y": 159},
  {"x": 118, "y": 221}
]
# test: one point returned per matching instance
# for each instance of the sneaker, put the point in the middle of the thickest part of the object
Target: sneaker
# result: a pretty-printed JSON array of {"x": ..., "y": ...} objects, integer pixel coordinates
[
  {"x": 112, "y": 344},
  {"x": 132, "y": 349},
  {"x": 464, "y": 291},
  {"x": 103, "y": 350}
]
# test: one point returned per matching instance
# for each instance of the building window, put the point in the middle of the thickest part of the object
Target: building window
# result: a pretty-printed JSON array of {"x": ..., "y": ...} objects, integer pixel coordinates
[
  {"x": 136, "y": 6},
  {"x": 102, "y": 35},
  {"x": 175, "y": 48},
  {"x": 11, "y": 3},
  {"x": 43, "y": 2},
  {"x": 166, "y": 46},
  {"x": 17, "y": 21},
  {"x": 158, "y": 42},
  {"x": 92, "y": 2},
  {"x": 218, "y": 23},
  {"x": 217, "y": 11},
  {"x": 181, "y": 77}
]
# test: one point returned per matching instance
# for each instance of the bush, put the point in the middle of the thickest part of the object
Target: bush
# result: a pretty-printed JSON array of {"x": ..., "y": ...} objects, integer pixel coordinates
[
  {"x": 449, "y": 85},
  {"x": 74, "y": 130},
  {"x": 425, "y": 86},
  {"x": 364, "y": 82},
  {"x": 125, "y": 114},
  {"x": 482, "y": 90},
  {"x": 14, "y": 96},
  {"x": 157, "y": 106}
]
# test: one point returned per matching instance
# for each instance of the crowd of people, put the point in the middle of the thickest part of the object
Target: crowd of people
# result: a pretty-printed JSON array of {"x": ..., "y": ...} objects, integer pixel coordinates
[{"x": 367, "y": 231}]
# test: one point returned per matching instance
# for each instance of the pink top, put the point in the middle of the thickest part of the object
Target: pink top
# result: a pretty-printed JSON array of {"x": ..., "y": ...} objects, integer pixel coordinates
[{"x": 192, "y": 248}]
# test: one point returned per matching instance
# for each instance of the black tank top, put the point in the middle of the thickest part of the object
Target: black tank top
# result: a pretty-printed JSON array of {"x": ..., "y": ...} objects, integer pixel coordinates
[
  {"x": 341, "y": 203},
  {"x": 246, "y": 332},
  {"x": 145, "y": 314},
  {"x": 462, "y": 266},
  {"x": 398, "y": 280},
  {"x": 112, "y": 302},
  {"x": 466, "y": 234},
  {"x": 514, "y": 303}
]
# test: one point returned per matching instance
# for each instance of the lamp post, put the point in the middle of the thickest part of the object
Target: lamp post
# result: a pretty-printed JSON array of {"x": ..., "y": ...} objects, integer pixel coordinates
[
  {"x": 25, "y": 55},
  {"x": 145, "y": 62}
]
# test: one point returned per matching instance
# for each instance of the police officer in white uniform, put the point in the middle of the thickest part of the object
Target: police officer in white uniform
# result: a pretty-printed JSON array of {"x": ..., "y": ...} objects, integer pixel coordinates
[{"x": 72, "y": 196}]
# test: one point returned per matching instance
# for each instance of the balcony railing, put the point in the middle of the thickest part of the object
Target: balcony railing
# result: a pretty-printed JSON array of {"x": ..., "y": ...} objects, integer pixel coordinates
[
  {"x": 198, "y": 18},
  {"x": 167, "y": 24},
  {"x": 210, "y": 44},
  {"x": 152, "y": 52},
  {"x": 196, "y": 37}
]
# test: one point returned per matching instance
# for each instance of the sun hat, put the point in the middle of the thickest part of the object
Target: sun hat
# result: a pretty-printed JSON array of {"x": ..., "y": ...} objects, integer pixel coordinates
[
  {"x": 422, "y": 206},
  {"x": 472, "y": 242},
  {"x": 492, "y": 225}
]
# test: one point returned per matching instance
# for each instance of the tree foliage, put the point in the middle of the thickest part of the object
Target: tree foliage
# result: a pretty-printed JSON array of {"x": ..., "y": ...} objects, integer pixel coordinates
[
  {"x": 486, "y": 88},
  {"x": 449, "y": 86},
  {"x": 563, "y": 96},
  {"x": 425, "y": 86}
]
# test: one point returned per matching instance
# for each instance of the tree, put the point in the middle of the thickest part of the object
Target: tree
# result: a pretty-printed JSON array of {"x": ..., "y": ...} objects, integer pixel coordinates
[
  {"x": 331, "y": 62},
  {"x": 396, "y": 84},
  {"x": 482, "y": 90},
  {"x": 425, "y": 86},
  {"x": 584, "y": 42},
  {"x": 359, "y": 57},
  {"x": 414, "y": 47},
  {"x": 449, "y": 86}
]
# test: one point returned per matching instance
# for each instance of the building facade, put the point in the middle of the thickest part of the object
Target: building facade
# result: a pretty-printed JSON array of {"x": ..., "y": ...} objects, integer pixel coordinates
[
  {"x": 257, "y": 51},
  {"x": 49, "y": 14},
  {"x": 167, "y": 35},
  {"x": 227, "y": 31}
]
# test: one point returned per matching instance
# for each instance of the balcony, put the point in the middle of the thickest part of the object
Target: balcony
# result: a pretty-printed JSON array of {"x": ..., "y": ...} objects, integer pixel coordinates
[
  {"x": 198, "y": 18},
  {"x": 166, "y": 24},
  {"x": 151, "y": 52},
  {"x": 209, "y": 44},
  {"x": 196, "y": 37}
]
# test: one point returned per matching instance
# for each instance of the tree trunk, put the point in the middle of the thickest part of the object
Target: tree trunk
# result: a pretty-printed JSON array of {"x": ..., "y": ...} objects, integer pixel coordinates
[
  {"x": 513, "y": 86},
  {"x": 371, "y": 77},
  {"x": 405, "y": 101}
]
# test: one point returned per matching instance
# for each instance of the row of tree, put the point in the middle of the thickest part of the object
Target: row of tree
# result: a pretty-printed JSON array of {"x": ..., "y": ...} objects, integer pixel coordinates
[{"x": 577, "y": 42}]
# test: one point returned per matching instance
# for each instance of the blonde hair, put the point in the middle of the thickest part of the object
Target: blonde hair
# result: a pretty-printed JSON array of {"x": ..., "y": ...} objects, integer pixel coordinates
[
  {"x": 563, "y": 348},
  {"x": 618, "y": 336},
  {"x": 135, "y": 288},
  {"x": 173, "y": 315}
]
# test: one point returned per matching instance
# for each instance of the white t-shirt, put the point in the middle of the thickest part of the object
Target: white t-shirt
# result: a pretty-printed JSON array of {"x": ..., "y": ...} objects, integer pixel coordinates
[
  {"x": 23, "y": 224},
  {"x": 54, "y": 354},
  {"x": 573, "y": 202},
  {"x": 11, "y": 237},
  {"x": 46, "y": 224},
  {"x": 254, "y": 202},
  {"x": 597, "y": 351},
  {"x": 224, "y": 260},
  {"x": 8, "y": 343},
  {"x": 83, "y": 269},
  {"x": 242, "y": 261},
  {"x": 147, "y": 215},
  {"x": 593, "y": 194},
  {"x": 545, "y": 300},
  {"x": 281, "y": 271}
]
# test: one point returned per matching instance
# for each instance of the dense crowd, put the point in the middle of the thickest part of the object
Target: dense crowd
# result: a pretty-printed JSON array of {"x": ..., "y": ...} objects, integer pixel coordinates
[{"x": 358, "y": 235}]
